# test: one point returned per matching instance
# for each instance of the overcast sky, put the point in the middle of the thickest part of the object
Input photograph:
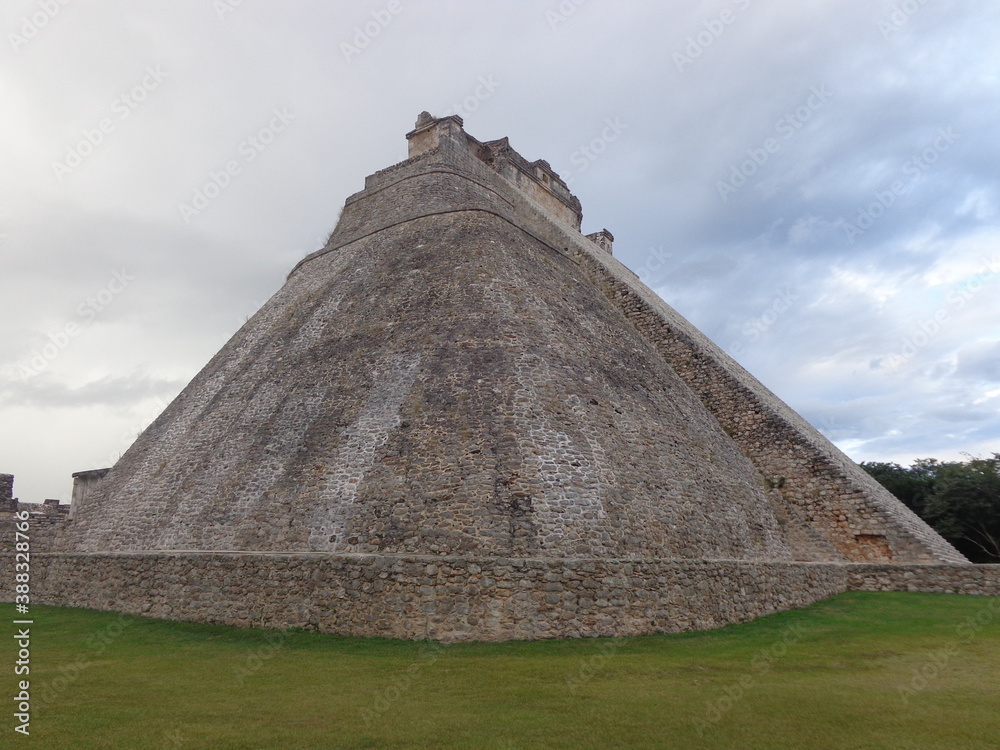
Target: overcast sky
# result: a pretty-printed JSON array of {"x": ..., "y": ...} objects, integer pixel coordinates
[{"x": 815, "y": 185}]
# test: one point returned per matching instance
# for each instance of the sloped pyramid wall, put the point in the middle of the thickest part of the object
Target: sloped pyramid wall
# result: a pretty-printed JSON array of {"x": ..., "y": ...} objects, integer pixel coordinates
[
  {"x": 461, "y": 372},
  {"x": 444, "y": 384},
  {"x": 464, "y": 419}
]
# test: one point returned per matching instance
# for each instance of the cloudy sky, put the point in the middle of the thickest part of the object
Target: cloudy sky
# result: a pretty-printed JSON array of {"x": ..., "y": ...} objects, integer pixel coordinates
[{"x": 815, "y": 185}]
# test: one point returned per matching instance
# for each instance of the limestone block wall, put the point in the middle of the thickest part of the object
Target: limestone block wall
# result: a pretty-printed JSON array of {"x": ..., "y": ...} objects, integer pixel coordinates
[
  {"x": 983, "y": 580},
  {"x": 823, "y": 488},
  {"x": 447, "y": 212},
  {"x": 440, "y": 379},
  {"x": 463, "y": 598},
  {"x": 6, "y": 492},
  {"x": 537, "y": 178},
  {"x": 830, "y": 492},
  {"x": 46, "y": 521},
  {"x": 46, "y": 525},
  {"x": 430, "y": 423},
  {"x": 84, "y": 483},
  {"x": 440, "y": 598},
  {"x": 462, "y": 419}
]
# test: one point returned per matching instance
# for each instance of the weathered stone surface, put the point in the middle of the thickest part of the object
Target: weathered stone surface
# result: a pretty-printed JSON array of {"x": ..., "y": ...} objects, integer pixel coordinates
[
  {"x": 46, "y": 521},
  {"x": 438, "y": 381},
  {"x": 463, "y": 419},
  {"x": 461, "y": 371},
  {"x": 454, "y": 598}
]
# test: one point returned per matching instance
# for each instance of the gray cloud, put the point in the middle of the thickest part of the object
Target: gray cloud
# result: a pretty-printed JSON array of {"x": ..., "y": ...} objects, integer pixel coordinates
[
  {"x": 46, "y": 393},
  {"x": 980, "y": 363},
  {"x": 847, "y": 345}
]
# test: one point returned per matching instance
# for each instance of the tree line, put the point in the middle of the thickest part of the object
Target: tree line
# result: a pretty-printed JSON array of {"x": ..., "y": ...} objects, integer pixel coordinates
[{"x": 958, "y": 499}]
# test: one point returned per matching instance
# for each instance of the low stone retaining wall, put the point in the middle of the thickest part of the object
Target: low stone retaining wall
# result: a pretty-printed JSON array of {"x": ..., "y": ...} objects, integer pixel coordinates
[
  {"x": 455, "y": 599},
  {"x": 982, "y": 580}
]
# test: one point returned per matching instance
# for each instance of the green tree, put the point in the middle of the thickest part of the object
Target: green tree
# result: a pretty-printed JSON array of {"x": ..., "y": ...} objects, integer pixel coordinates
[
  {"x": 911, "y": 486},
  {"x": 965, "y": 507},
  {"x": 959, "y": 500}
]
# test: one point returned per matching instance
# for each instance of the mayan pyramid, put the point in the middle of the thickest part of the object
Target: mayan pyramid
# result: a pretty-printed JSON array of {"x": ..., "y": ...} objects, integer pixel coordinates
[{"x": 461, "y": 375}]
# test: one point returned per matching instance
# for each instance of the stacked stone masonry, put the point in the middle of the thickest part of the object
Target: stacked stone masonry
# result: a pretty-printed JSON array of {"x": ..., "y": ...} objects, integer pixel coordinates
[
  {"x": 464, "y": 419},
  {"x": 460, "y": 599},
  {"x": 47, "y": 521},
  {"x": 499, "y": 430}
]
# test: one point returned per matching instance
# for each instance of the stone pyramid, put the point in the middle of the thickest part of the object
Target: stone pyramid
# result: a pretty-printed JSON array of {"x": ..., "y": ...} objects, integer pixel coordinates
[{"x": 460, "y": 374}]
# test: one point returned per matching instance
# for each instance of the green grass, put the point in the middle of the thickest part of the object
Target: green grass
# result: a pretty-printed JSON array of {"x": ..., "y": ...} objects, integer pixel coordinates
[{"x": 861, "y": 670}]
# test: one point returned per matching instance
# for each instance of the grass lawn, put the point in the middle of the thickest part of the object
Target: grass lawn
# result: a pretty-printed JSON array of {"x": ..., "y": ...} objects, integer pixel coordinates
[{"x": 861, "y": 670}]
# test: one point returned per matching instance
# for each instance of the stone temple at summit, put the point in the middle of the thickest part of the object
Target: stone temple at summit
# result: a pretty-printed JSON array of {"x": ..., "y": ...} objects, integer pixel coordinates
[{"x": 464, "y": 419}]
